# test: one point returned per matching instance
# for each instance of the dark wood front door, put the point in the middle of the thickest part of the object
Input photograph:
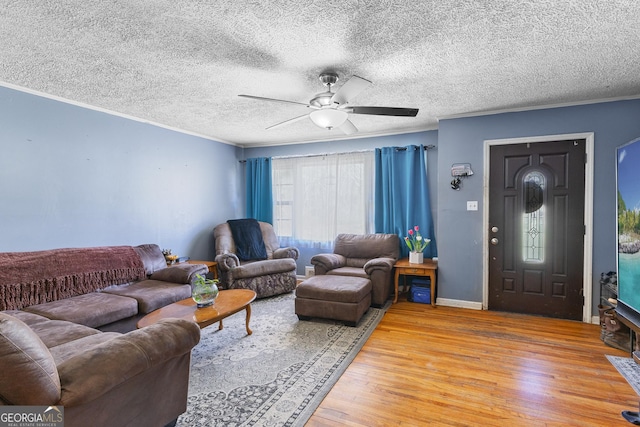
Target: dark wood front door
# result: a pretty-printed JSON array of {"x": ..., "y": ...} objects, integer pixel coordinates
[{"x": 536, "y": 228}]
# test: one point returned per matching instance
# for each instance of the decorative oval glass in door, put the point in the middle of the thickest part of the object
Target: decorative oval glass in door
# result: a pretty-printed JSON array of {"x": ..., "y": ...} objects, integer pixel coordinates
[{"x": 533, "y": 218}]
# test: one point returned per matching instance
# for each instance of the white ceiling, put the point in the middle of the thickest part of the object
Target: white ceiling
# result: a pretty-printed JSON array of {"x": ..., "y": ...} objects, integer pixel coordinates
[{"x": 182, "y": 63}]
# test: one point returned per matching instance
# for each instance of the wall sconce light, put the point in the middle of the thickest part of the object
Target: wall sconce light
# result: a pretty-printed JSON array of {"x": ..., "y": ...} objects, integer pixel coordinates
[{"x": 455, "y": 183}]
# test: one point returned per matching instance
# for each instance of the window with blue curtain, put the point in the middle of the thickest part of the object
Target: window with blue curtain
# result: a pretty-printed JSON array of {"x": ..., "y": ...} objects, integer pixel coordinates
[
  {"x": 259, "y": 189},
  {"x": 318, "y": 197},
  {"x": 402, "y": 194}
]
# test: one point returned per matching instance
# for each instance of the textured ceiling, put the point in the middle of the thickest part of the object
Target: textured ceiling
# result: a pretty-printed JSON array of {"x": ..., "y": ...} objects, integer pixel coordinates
[{"x": 182, "y": 63}]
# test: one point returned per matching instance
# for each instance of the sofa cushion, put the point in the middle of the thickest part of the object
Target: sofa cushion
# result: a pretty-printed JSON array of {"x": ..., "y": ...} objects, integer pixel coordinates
[
  {"x": 29, "y": 318},
  {"x": 152, "y": 294},
  {"x": 152, "y": 257},
  {"x": 367, "y": 246},
  {"x": 92, "y": 309},
  {"x": 29, "y": 362},
  {"x": 348, "y": 271},
  {"x": 272, "y": 243},
  {"x": 56, "y": 332},
  {"x": 262, "y": 268},
  {"x": 69, "y": 349}
]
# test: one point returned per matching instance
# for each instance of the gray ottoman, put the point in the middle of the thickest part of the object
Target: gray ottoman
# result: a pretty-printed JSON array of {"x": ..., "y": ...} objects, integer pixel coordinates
[{"x": 343, "y": 298}]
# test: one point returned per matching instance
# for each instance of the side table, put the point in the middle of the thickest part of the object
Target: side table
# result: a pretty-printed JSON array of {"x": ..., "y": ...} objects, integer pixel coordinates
[{"x": 427, "y": 268}]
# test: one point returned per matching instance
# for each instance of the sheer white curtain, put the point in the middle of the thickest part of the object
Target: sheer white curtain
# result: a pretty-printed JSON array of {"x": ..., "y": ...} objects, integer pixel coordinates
[{"x": 318, "y": 197}]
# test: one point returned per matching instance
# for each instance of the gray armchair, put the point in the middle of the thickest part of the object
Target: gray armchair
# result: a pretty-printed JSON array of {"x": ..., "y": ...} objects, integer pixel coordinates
[
  {"x": 271, "y": 276},
  {"x": 370, "y": 256}
]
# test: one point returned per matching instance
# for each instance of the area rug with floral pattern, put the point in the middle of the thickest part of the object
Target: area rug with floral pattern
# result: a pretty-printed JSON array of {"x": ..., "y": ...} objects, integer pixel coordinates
[{"x": 275, "y": 377}]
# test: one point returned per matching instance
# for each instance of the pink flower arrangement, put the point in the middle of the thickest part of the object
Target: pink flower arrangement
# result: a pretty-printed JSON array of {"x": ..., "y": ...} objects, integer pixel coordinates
[{"x": 415, "y": 242}]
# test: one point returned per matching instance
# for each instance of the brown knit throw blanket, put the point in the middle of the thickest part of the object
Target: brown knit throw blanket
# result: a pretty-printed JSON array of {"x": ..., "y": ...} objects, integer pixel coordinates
[{"x": 28, "y": 278}]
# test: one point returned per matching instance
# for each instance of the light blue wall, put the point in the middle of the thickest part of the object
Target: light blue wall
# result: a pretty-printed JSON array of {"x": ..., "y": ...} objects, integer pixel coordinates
[
  {"x": 462, "y": 140},
  {"x": 74, "y": 177},
  {"x": 417, "y": 138}
]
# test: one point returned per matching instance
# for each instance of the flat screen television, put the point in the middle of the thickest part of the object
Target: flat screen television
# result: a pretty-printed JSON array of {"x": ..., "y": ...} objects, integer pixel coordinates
[{"x": 628, "y": 222}]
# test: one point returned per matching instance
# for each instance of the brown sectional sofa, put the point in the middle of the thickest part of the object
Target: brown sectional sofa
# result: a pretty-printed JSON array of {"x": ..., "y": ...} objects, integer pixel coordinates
[
  {"x": 109, "y": 287},
  {"x": 137, "y": 379},
  {"x": 67, "y": 334}
]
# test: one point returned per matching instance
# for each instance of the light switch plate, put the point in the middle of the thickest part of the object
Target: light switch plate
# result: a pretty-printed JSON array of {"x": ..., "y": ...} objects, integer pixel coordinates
[{"x": 472, "y": 205}]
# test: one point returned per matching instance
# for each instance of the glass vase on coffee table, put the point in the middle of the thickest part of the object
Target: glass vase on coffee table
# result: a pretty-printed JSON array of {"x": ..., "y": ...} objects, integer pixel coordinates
[{"x": 204, "y": 291}]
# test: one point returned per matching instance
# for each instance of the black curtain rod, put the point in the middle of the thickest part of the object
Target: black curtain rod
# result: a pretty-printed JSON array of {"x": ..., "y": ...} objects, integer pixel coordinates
[{"x": 426, "y": 147}]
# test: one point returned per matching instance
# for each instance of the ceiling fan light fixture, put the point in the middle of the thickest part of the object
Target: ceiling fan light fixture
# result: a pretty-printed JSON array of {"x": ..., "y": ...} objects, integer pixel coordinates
[
  {"x": 332, "y": 110},
  {"x": 328, "y": 118}
]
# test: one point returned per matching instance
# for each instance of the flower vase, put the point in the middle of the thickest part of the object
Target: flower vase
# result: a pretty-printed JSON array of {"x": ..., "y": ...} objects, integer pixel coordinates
[{"x": 416, "y": 257}]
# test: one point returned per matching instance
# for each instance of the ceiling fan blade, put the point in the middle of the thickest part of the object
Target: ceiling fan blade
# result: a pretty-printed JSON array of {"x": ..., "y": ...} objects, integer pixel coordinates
[
  {"x": 385, "y": 111},
  {"x": 260, "y": 98},
  {"x": 288, "y": 122},
  {"x": 348, "y": 128},
  {"x": 350, "y": 90}
]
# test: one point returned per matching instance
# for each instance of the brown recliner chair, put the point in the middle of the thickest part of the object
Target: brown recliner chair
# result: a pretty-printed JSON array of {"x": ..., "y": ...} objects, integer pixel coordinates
[
  {"x": 267, "y": 277},
  {"x": 370, "y": 256}
]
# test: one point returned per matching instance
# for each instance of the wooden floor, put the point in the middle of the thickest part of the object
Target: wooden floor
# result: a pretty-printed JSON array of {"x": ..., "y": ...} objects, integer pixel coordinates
[{"x": 459, "y": 367}]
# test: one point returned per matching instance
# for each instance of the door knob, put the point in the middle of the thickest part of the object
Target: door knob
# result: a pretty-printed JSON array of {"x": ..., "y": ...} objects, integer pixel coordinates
[
  {"x": 494, "y": 241},
  {"x": 494, "y": 229}
]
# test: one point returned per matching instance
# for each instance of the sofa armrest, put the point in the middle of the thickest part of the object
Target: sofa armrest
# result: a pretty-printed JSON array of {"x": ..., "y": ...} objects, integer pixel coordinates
[
  {"x": 327, "y": 262},
  {"x": 227, "y": 261},
  {"x": 181, "y": 273},
  {"x": 89, "y": 375},
  {"x": 290, "y": 252},
  {"x": 262, "y": 268},
  {"x": 384, "y": 264}
]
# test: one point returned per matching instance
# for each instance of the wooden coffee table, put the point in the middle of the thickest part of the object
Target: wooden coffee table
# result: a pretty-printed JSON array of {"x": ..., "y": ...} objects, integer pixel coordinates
[{"x": 228, "y": 302}]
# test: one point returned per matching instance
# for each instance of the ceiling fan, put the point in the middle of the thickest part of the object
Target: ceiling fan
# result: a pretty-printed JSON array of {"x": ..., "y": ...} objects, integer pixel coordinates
[{"x": 331, "y": 110}]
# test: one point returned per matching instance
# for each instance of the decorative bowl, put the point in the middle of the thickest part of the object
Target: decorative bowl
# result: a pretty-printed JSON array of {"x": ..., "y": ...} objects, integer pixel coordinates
[{"x": 204, "y": 292}]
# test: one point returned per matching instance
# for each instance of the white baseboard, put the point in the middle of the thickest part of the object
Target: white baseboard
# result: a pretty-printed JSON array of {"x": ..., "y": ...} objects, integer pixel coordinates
[{"x": 446, "y": 302}]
